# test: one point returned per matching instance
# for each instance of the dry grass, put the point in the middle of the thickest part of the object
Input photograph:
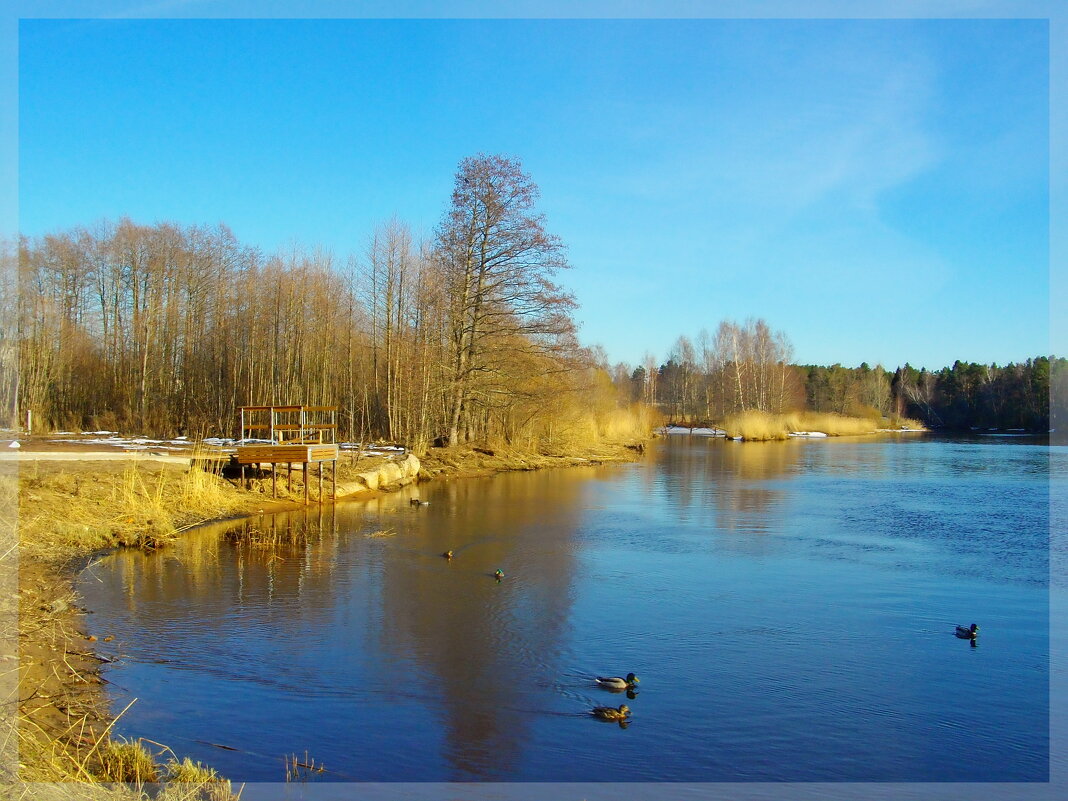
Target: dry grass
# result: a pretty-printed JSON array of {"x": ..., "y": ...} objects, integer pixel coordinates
[
  {"x": 56, "y": 511},
  {"x": 302, "y": 769},
  {"x": 127, "y": 762},
  {"x": 382, "y": 532},
  {"x": 192, "y": 781},
  {"x": 66, "y": 511},
  {"x": 466, "y": 461},
  {"x": 632, "y": 424},
  {"x": 762, "y": 426}
]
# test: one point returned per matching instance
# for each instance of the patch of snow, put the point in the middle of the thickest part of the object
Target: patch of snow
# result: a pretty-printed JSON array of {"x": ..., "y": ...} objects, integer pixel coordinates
[
  {"x": 809, "y": 434},
  {"x": 709, "y": 432}
]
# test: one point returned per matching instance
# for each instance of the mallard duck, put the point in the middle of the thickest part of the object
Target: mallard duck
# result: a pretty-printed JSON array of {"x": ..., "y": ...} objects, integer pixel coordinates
[
  {"x": 417, "y": 502},
  {"x": 617, "y": 683},
  {"x": 967, "y": 632},
  {"x": 498, "y": 574},
  {"x": 447, "y": 554},
  {"x": 611, "y": 713}
]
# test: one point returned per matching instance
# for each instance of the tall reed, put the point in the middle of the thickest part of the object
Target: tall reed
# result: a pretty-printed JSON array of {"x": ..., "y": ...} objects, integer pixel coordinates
[{"x": 762, "y": 426}]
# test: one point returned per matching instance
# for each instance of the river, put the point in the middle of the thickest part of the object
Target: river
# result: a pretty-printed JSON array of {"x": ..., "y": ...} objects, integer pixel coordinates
[{"x": 789, "y": 609}]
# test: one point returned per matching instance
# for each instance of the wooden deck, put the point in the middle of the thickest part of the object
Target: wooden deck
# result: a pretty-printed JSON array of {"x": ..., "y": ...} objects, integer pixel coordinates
[
  {"x": 290, "y": 455},
  {"x": 286, "y": 454}
]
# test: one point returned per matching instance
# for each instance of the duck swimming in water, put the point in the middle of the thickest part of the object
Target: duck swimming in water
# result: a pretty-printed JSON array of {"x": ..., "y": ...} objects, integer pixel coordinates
[
  {"x": 611, "y": 713},
  {"x": 617, "y": 683},
  {"x": 447, "y": 554},
  {"x": 967, "y": 633}
]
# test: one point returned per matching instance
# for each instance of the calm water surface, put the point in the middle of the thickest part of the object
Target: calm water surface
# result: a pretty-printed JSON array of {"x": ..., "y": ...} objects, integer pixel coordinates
[{"x": 789, "y": 608}]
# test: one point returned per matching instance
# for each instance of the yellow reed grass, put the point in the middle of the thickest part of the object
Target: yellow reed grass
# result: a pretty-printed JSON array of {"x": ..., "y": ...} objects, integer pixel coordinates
[
  {"x": 128, "y": 762},
  {"x": 762, "y": 426},
  {"x": 191, "y": 781}
]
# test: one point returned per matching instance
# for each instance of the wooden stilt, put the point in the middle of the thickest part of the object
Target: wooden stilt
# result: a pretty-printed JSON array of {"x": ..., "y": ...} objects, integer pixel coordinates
[
  {"x": 320, "y": 482},
  {"x": 289, "y": 477},
  {"x": 305, "y": 482},
  {"x": 274, "y": 480},
  {"x": 243, "y": 484},
  {"x": 333, "y": 475}
]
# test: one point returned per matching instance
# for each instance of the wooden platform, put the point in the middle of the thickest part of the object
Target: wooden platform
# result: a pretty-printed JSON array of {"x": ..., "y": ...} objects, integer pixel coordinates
[
  {"x": 297, "y": 434},
  {"x": 290, "y": 455},
  {"x": 286, "y": 454}
]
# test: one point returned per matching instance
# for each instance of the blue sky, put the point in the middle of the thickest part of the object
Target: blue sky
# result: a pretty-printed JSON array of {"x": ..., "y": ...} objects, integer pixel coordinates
[{"x": 878, "y": 189}]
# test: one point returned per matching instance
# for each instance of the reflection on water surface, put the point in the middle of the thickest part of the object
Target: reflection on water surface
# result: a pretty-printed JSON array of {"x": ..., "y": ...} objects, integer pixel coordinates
[{"x": 790, "y": 608}]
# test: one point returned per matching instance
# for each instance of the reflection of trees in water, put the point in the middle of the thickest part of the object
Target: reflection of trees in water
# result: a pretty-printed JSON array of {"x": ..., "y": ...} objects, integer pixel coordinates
[
  {"x": 723, "y": 482},
  {"x": 208, "y": 569},
  {"x": 444, "y": 631},
  {"x": 475, "y": 643}
]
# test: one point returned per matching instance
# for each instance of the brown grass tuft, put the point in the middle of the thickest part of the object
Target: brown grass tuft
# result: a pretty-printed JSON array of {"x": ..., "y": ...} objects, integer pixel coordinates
[
  {"x": 127, "y": 762},
  {"x": 192, "y": 781}
]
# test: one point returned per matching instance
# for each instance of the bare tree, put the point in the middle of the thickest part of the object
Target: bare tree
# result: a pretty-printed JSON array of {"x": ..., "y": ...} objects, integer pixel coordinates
[{"x": 497, "y": 261}]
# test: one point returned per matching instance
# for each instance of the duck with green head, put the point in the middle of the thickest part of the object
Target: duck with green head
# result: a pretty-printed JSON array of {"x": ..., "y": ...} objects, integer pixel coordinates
[
  {"x": 968, "y": 632},
  {"x": 617, "y": 682}
]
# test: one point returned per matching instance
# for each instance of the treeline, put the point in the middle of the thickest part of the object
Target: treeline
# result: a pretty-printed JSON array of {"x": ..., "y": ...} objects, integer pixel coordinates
[
  {"x": 742, "y": 367},
  {"x": 747, "y": 367},
  {"x": 166, "y": 329},
  {"x": 969, "y": 395}
]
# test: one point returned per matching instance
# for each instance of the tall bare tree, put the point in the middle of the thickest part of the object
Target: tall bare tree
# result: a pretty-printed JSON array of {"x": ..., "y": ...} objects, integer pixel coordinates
[{"x": 497, "y": 261}]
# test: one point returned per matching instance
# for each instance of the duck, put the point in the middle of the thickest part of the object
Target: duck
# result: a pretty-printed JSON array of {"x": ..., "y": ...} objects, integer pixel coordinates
[
  {"x": 498, "y": 574},
  {"x": 617, "y": 683},
  {"x": 447, "y": 554},
  {"x": 417, "y": 502},
  {"x": 610, "y": 712},
  {"x": 967, "y": 633}
]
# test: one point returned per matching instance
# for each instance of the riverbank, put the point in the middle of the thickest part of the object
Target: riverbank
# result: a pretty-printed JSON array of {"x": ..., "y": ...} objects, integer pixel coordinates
[
  {"x": 68, "y": 511},
  {"x": 757, "y": 426}
]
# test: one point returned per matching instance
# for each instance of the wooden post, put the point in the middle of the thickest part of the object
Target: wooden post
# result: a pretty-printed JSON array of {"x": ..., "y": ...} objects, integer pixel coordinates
[
  {"x": 320, "y": 482},
  {"x": 333, "y": 474},
  {"x": 305, "y": 482},
  {"x": 289, "y": 477},
  {"x": 243, "y": 485},
  {"x": 274, "y": 480}
]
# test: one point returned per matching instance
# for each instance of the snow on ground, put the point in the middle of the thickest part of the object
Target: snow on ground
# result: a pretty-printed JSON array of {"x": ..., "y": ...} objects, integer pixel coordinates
[{"x": 697, "y": 432}]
